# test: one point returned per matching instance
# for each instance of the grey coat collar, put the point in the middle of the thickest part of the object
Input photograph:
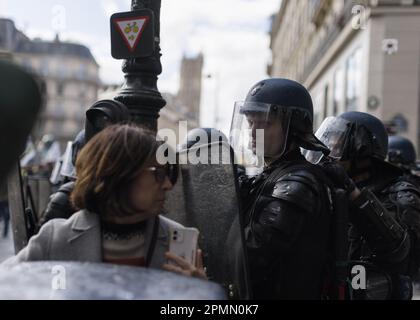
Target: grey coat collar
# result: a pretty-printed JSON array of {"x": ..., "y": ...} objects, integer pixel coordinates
[
  {"x": 84, "y": 221},
  {"x": 86, "y": 232}
]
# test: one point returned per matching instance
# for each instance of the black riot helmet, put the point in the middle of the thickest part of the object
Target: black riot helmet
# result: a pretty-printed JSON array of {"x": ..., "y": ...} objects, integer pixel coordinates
[
  {"x": 77, "y": 145},
  {"x": 281, "y": 101},
  {"x": 208, "y": 144},
  {"x": 68, "y": 166},
  {"x": 104, "y": 113},
  {"x": 369, "y": 136},
  {"x": 200, "y": 136},
  {"x": 352, "y": 135},
  {"x": 401, "y": 151}
]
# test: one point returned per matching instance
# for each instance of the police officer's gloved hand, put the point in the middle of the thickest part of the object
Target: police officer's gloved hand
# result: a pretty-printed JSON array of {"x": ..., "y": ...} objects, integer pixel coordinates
[{"x": 338, "y": 175}]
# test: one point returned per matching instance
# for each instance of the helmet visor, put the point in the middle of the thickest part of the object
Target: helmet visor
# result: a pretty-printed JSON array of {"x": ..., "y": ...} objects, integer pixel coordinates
[
  {"x": 56, "y": 177},
  {"x": 334, "y": 133},
  {"x": 259, "y": 131},
  {"x": 67, "y": 168}
]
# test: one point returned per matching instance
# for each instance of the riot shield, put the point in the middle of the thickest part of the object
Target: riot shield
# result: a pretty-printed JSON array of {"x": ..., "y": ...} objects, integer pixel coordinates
[
  {"x": 93, "y": 281},
  {"x": 25, "y": 197},
  {"x": 17, "y": 207},
  {"x": 38, "y": 191},
  {"x": 206, "y": 197}
]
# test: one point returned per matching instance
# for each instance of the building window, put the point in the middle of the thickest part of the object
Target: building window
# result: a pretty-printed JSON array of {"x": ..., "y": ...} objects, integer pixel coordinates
[
  {"x": 338, "y": 94},
  {"x": 82, "y": 73},
  {"x": 62, "y": 71},
  {"x": 59, "y": 110},
  {"x": 316, "y": 120},
  {"x": 60, "y": 89},
  {"x": 400, "y": 123},
  {"x": 82, "y": 94},
  {"x": 45, "y": 68},
  {"x": 318, "y": 108},
  {"x": 353, "y": 80}
]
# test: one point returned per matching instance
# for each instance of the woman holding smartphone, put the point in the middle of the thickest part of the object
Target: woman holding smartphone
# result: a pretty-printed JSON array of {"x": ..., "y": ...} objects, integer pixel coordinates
[{"x": 120, "y": 192}]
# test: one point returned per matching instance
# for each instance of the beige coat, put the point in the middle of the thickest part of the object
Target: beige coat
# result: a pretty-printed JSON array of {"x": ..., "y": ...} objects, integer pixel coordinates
[{"x": 79, "y": 239}]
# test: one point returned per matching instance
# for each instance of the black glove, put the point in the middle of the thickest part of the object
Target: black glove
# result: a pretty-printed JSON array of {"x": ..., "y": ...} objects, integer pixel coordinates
[{"x": 338, "y": 176}]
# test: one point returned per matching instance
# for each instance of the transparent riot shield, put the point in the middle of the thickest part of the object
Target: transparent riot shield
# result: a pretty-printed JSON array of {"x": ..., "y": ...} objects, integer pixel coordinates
[{"x": 206, "y": 197}]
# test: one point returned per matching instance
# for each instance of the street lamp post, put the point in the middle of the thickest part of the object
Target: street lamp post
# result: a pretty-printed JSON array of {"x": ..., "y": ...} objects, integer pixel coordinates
[{"x": 139, "y": 92}]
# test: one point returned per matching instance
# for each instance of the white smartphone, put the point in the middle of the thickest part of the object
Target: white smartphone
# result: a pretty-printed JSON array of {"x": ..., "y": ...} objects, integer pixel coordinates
[{"x": 184, "y": 243}]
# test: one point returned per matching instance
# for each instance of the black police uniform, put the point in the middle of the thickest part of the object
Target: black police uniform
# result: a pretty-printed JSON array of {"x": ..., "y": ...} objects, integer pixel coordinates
[
  {"x": 401, "y": 152},
  {"x": 385, "y": 217},
  {"x": 59, "y": 205},
  {"x": 286, "y": 208},
  {"x": 288, "y": 230}
]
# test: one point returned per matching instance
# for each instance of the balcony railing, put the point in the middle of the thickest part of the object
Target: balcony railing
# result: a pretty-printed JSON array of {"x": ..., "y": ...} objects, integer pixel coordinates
[
  {"x": 318, "y": 8},
  {"x": 333, "y": 33}
]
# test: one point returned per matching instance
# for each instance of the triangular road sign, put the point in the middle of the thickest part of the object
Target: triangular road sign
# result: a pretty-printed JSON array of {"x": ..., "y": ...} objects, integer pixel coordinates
[
  {"x": 133, "y": 34},
  {"x": 131, "y": 30}
]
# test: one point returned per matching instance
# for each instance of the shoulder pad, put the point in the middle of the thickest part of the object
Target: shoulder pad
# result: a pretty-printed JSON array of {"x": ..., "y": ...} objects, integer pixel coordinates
[
  {"x": 403, "y": 186},
  {"x": 408, "y": 198},
  {"x": 300, "y": 188},
  {"x": 67, "y": 187}
]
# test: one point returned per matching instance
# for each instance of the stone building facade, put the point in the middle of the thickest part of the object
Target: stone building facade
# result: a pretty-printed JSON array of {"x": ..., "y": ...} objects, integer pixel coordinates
[
  {"x": 353, "y": 55},
  {"x": 69, "y": 72}
]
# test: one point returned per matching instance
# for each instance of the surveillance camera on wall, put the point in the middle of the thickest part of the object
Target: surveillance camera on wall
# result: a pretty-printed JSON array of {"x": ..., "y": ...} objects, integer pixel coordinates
[{"x": 390, "y": 46}]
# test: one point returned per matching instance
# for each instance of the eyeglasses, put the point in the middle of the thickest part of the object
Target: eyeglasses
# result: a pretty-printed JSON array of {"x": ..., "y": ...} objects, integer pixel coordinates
[{"x": 161, "y": 172}]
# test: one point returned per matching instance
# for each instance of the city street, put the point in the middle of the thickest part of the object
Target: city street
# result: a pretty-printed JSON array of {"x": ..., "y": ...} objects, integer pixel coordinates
[{"x": 270, "y": 148}]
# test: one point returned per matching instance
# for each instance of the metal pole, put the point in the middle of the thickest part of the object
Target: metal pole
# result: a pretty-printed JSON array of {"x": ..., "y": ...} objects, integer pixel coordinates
[
  {"x": 139, "y": 92},
  {"x": 217, "y": 100}
]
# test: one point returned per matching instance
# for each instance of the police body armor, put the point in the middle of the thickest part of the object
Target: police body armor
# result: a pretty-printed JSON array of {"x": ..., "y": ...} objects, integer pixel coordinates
[
  {"x": 289, "y": 213},
  {"x": 387, "y": 214},
  {"x": 380, "y": 233},
  {"x": 60, "y": 205}
]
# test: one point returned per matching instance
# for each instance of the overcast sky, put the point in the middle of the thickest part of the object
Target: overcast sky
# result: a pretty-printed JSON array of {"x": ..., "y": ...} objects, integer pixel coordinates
[{"x": 232, "y": 34}]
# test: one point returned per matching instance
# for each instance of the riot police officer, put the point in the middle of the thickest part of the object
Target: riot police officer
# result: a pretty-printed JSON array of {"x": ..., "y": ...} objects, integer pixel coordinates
[
  {"x": 402, "y": 153},
  {"x": 286, "y": 207},
  {"x": 385, "y": 213}
]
